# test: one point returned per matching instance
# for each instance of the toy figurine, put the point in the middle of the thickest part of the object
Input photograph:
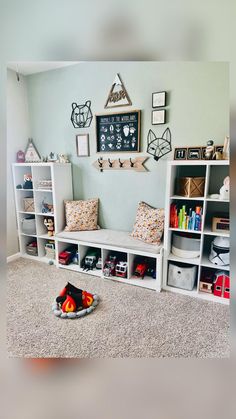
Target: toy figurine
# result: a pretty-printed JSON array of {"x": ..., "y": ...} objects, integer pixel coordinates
[
  {"x": 20, "y": 156},
  {"x": 224, "y": 190},
  {"x": 28, "y": 181},
  {"x": 209, "y": 150},
  {"x": 47, "y": 207},
  {"x": 63, "y": 158},
  {"x": 49, "y": 223}
]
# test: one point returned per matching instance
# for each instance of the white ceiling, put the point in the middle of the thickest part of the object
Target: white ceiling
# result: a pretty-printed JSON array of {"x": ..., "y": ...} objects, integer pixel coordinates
[{"x": 31, "y": 67}]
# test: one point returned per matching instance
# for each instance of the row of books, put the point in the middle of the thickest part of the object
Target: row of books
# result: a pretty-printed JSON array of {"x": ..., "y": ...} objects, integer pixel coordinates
[{"x": 186, "y": 218}]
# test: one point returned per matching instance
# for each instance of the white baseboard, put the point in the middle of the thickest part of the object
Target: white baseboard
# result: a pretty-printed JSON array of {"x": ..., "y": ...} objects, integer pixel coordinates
[{"x": 13, "y": 257}]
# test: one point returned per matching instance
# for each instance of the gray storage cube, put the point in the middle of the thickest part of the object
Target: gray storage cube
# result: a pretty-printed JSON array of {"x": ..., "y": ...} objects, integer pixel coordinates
[
  {"x": 28, "y": 225},
  {"x": 185, "y": 247},
  {"x": 182, "y": 276}
]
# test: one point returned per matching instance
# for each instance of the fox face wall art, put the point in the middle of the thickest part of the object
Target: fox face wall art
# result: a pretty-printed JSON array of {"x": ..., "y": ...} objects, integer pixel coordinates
[{"x": 159, "y": 146}]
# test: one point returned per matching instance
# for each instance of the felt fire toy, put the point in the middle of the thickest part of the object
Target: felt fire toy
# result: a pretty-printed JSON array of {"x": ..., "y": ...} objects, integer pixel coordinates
[{"x": 73, "y": 302}]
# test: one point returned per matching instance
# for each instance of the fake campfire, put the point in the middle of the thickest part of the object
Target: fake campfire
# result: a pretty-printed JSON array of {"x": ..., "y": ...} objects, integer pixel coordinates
[{"x": 73, "y": 302}]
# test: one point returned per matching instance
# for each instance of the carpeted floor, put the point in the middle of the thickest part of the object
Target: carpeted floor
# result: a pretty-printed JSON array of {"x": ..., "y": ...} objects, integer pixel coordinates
[{"x": 130, "y": 322}]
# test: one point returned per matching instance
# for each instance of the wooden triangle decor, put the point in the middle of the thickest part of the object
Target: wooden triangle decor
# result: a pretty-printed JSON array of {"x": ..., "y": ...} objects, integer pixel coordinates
[
  {"x": 118, "y": 95},
  {"x": 31, "y": 153}
]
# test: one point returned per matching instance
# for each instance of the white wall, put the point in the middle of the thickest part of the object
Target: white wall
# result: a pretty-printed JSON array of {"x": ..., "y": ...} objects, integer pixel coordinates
[{"x": 18, "y": 131}]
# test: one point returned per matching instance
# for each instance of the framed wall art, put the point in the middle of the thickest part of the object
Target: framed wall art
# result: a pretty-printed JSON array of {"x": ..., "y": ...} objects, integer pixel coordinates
[
  {"x": 158, "y": 99},
  {"x": 82, "y": 145},
  {"x": 118, "y": 132},
  {"x": 158, "y": 117},
  {"x": 180, "y": 153},
  {"x": 118, "y": 95}
]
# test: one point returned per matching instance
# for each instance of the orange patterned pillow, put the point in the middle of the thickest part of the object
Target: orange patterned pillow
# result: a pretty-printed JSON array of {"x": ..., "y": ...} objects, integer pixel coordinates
[
  {"x": 149, "y": 224},
  {"x": 81, "y": 215}
]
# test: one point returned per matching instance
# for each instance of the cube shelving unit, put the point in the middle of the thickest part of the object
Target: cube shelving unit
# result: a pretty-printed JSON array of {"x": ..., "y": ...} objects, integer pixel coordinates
[
  {"x": 214, "y": 172},
  {"x": 60, "y": 175}
]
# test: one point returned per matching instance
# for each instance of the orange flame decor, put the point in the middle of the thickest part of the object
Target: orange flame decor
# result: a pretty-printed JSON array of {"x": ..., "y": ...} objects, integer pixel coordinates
[
  {"x": 87, "y": 299},
  {"x": 68, "y": 305}
]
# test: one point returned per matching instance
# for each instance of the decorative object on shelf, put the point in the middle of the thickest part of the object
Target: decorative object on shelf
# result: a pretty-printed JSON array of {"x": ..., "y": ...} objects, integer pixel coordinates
[
  {"x": 159, "y": 146},
  {"x": 82, "y": 145},
  {"x": 182, "y": 276},
  {"x": 28, "y": 204},
  {"x": 50, "y": 249},
  {"x": 20, "y": 156},
  {"x": 32, "y": 248},
  {"x": 73, "y": 302},
  {"x": 28, "y": 184},
  {"x": 47, "y": 208},
  {"x": 219, "y": 255},
  {"x": 118, "y": 132},
  {"x": 209, "y": 150},
  {"x": 63, "y": 158},
  {"x": 180, "y": 153},
  {"x": 191, "y": 186},
  {"x": 158, "y": 117},
  {"x": 226, "y": 149},
  {"x": 185, "y": 218},
  {"x": 221, "y": 284},
  {"x": 49, "y": 223},
  {"x": 19, "y": 186},
  {"x": 220, "y": 224},
  {"x": 45, "y": 184},
  {"x": 28, "y": 225},
  {"x": 158, "y": 99},
  {"x": 185, "y": 246},
  {"x": 118, "y": 95},
  {"x": 52, "y": 157},
  {"x": 218, "y": 154},
  {"x": 81, "y": 115},
  {"x": 206, "y": 281},
  {"x": 31, "y": 153},
  {"x": 135, "y": 164},
  {"x": 224, "y": 190},
  {"x": 194, "y": 153}
]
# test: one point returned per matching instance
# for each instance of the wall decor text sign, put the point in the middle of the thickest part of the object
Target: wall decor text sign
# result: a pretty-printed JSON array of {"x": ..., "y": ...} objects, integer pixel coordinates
[{"x": 118, "y": 132}]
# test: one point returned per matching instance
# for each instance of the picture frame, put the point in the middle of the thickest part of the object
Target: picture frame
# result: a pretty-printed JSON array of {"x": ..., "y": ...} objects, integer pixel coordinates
[
  {"x": 194, "y": 153},
  {"x": 180, "y": 153},
  {"x": 158, "y": 117},
  {"x": 158, "y": 99},
  {"x": 118, "y": 132},
  {"x": 82, "y": 145},
  {"x": 203, "y": 153}
]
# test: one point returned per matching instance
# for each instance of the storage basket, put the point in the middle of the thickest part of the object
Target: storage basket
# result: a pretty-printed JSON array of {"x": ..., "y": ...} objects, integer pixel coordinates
[
  {"x": 185, "y": 246},
  {"x": 32, "y": 249},
  {"x": 182, "y": 276},
  {"x": 28, "y": 225},
  {"x": 28, "y": 204},
  {"x": 50, "y": 251},
  {"x": 191, "y": 186}
]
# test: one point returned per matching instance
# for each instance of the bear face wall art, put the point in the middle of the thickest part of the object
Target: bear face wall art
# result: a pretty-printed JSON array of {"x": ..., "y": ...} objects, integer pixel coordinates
[{"x": 81, "y": 115}]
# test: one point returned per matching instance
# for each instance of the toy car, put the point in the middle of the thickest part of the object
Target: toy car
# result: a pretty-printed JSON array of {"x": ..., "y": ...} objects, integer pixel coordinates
[
  {"x": 121, "y": 269},
  {"x": 99, "y": 263},
  {"x": 151, "y": 269},
  {"x": 109, "y": 268},
  {"x": 140, "y": 269},
  {"x": 67, "y": 255},
  {"x": 90, "y": 260}
]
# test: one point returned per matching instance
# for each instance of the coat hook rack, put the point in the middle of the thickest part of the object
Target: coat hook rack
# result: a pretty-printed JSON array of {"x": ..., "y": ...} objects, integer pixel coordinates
[{"x": 136, "y": 164}]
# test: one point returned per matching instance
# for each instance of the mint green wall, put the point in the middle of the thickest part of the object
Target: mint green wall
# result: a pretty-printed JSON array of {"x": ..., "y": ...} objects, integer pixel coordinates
[{"x": 198, "y": 109}]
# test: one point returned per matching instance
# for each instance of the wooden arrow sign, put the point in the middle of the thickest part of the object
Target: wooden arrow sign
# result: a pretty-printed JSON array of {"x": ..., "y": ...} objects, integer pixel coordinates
[{"x": 121, "y": 164}]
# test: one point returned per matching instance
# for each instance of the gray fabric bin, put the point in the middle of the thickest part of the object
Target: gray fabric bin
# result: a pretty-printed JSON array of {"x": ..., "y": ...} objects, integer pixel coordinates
[
  {"x": 185, "y": 246},
  {"x": 28, "y": 225},
  {"x": 182, "y": 276}
]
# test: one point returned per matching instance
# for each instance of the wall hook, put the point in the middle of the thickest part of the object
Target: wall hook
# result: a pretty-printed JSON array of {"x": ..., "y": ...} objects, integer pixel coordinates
[
  {"x": 100, "y": 163},
  {"x": 131, "y": 163},
  {"x": 121, "y": 164},
  {"x": 110, "y": 163}
]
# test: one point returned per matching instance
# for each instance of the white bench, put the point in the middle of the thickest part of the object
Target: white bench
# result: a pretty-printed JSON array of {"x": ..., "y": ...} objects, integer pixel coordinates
[{"x": 111, "y": 240}]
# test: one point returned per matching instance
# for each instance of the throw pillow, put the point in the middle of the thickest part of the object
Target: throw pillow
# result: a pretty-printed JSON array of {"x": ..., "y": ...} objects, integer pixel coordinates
[
  {"x": 81, "y": 215},
  {"x": 149, "y": 224}
]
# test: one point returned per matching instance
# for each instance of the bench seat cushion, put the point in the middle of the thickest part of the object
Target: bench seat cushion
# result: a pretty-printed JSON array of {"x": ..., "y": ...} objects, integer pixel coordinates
[{"x": 110, "y": 238}]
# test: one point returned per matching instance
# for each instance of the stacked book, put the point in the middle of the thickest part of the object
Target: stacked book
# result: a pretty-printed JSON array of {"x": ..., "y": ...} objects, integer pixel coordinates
[
  {"x": 186, "y": 219},
  {"x": 45, "y": 184}
]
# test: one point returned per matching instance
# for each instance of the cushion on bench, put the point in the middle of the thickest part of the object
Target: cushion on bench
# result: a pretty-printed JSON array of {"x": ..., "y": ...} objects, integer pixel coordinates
[{"x": 110, "y": 238}]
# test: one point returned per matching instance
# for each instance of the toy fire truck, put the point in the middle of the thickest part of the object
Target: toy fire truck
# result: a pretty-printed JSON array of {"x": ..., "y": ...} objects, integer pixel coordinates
[
  {"x": 121, "y": 269},
  {"x": 109, "y": 268},
  {"x": 221, "y": 284}
]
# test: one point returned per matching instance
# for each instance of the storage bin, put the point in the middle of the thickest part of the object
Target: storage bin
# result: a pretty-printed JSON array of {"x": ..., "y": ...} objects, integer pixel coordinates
[
  {"x": 32, "y": 249},
  {"x": 191, "y": 186},
  {"x": 28, "y": 204},
  {"x": 28, "y": 225},
  {"x": 185, "y": 246},
  {"x": 182, "y": 276}
]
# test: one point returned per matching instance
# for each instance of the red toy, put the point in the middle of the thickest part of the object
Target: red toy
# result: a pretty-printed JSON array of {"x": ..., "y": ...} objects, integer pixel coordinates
[
  {"x": 109, "y": 268},
  {"x": 72, "y": 298},
  {"x": 221, "y": 285},
  {"x": 140, "y": 270}
]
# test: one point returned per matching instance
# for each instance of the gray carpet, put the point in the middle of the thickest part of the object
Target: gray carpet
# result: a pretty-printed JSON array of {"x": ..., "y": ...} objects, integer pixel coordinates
[{"x": 130, "y": 322}]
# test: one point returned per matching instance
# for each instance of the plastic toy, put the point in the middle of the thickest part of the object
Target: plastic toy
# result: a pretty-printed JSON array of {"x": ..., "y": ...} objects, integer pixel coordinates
[
  {"x": 49, "y": 223},
  {"x": 220, "y": 251},
  {"x": 63, "y": 158},
  {"x": 28, "y": 184},
  {"x": 66, "y": 256},
  {"x": 140, "y": 270},
  {"x": 151, "y": 269},
  {"x": 90, "y": 260},
  {"x": 73, "y": 302},
  {"x": 109, "y": 268},
  {"x": 99, "y": 263},
  {"x": 121, "y": 269},
  {"x": 221, "y": 285},
  {"x": 209, "y": 150},
  {"x": 206, "y": 282},
  {"x": 47, "y": 207}
]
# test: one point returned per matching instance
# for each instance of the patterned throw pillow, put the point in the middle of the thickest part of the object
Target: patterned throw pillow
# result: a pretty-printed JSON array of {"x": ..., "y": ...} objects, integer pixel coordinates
[
  {"x": 149, "y": 224},
  {"x": 81, "y": 215}
]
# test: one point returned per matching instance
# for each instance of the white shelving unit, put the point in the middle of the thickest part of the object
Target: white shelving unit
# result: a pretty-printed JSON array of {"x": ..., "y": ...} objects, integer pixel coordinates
[
  {"x": 214, "y": 172},
  {"x": 60, "y": 175}
]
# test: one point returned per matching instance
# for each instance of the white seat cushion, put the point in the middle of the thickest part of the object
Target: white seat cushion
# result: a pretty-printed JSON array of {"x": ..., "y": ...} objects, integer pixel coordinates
[{"x": 110, "y": 238}]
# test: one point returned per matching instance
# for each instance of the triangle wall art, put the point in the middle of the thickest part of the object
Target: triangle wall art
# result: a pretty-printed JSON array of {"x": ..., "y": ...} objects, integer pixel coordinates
[{"x": 118, "y": 95}]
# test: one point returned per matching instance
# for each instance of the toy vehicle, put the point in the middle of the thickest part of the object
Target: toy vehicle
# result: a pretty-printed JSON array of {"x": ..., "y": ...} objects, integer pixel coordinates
[
  {"x": 221, "y": 284},
  {"x": 99, "y": 263},
  {"x": 141, "y": 269},
  {"x": 109, "y": 268},
  {"x": 67, "y": 255},
  {"x": 151, "y": 269},
  {"x": 121, "y": 269},
  {"x": 90, "y": 260}
]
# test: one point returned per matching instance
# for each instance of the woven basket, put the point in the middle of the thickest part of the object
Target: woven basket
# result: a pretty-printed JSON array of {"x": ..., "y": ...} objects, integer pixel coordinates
[
  {"x": 28, "y": 204},
  {"x": 191, "y": 186}
]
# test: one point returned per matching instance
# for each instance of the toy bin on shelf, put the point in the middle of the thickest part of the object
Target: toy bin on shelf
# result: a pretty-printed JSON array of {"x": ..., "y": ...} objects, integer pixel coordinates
[
  {"x": 32, "y": 248},
  {"x": 191, "y": 186},
  {"x": 28, "y": 225},
  {"x": 185, "y": 246},
  {"x": 181, "y": 276},
  {"x": 28, "y": 204}
]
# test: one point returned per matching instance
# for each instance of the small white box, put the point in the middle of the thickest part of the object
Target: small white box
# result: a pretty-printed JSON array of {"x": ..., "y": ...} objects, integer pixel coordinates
[{"x": 182, "y": 277}]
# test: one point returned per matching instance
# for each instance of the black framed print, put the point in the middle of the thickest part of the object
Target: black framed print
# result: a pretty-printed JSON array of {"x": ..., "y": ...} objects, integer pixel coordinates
[
  {"x": 158, "y": 99},
  {"x": 180, "y": 153},
  {"x": 82, "y": 145},
  {"x": 118, "y": 132},
  {"x": 158, "y": 117},
  {"x": 194, "y": 153}
]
